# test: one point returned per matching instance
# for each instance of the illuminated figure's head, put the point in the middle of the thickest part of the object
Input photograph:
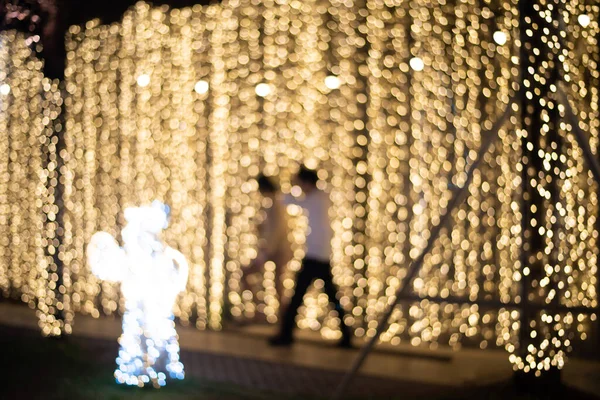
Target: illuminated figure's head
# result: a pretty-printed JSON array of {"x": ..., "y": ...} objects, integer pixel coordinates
[{"x": 152, "y": 219}]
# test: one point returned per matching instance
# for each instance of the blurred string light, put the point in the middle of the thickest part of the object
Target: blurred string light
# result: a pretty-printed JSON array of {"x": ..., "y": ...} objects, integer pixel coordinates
[
  {"x": 143, "y": 80},
  {"x": 263, "y": 89},
  {"x": 332, "y": 82},
  {"x": 4, "y": 89},
  {"x": 201, "y": 87},
  {"x": 417, "y": 64},
  {"x": 584, "y": 20},
  {"x": 389, "y": 147},
  {"x": 560, "y": 234},
  {"x": 500, "y": 38}
]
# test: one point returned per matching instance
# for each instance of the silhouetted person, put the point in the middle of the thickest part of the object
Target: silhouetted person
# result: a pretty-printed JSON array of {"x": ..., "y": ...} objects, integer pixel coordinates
[
  {"x": 316, "y": 264},
  {"x": 273, "y": 241}
]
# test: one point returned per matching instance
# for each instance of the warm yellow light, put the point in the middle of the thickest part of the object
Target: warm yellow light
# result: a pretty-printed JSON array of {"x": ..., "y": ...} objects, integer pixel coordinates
[
  {"x": 417, "y": 64},
  {"x": 387, "y": 145},
  {"x": 28, "y": 187},
  {"x": 500, "y": 38},
  {"x": 201, "y": 87},
  {"x": 263, "y": 89},
  {"x": 143, "y": 80},
  {"x": 584, "y": 20},
  {"x": 332, "y": 82}
]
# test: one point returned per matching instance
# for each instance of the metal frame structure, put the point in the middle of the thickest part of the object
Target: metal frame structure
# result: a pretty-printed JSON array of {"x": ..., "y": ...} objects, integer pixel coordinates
[{"x": 525, "y": 307}]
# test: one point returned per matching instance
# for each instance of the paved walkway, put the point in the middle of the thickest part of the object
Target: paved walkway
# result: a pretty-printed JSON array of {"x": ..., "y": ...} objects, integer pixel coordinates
[{"x": 313, "y": 367}]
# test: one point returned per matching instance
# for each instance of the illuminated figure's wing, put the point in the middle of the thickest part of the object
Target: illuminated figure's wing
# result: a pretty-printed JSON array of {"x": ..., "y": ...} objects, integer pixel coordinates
[
  {"x": 106, "y": 259},
  {"x": 182, "y": 267}
]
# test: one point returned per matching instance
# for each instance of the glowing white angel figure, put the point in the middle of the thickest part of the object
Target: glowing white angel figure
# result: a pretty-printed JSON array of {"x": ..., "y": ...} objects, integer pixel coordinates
[{"x": 151, "y": 276}]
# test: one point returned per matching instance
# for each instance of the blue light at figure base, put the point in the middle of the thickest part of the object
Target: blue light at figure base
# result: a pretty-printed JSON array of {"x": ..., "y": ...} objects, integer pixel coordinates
[{"x": 151, "y": 276}]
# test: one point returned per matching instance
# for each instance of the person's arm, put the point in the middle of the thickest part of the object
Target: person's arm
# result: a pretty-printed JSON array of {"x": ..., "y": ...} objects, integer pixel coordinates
[
  {"x": 299, "y": 199},
  {"x": 288, "y": 199}
]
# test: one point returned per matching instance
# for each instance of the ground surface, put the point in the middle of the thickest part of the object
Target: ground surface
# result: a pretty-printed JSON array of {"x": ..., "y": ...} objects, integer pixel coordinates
[{"x": 81, "y": 368}]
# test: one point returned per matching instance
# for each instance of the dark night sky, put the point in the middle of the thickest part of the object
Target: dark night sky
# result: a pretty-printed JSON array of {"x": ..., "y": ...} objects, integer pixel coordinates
[{"x": 58, "y": 15}]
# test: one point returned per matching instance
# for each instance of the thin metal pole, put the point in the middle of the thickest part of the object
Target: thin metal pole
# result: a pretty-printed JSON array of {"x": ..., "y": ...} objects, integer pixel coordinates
[
  {"x": 498, "y": 304},
  {"x": 415, "y": 266},
  {"x": 524, "y": 330}
]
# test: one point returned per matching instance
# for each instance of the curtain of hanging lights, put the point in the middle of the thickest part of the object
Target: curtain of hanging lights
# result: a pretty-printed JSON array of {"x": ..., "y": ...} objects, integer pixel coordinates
[
  {"x": 29, "y": 107},
  {"x": 253, "y": 87},
  {"x": 388, "y": 100},
  {"x": 560, "y": 233}
]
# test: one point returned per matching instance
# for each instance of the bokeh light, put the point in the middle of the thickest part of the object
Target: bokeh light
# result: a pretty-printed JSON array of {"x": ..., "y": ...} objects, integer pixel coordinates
[
  {"x": 4, "y": 89},
  {"x": 143, "y": 80},
  {"x": 417, "y": 63},
  {"x": 500, "y": 38},
  {"x": 201, "y": 87},
  {"x": 332, "y": 82},
  {"x": 263, "y": 89},
  {"x": 584, "y": 20}
]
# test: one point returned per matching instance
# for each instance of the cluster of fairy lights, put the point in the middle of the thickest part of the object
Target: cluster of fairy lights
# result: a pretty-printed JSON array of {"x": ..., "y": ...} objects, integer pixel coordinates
[
  {"x": 388, "y": 99},
  {"x": 30, "y": 105},
  {"x": 560, "y": 232},
  {"x": 425, "y": 118},
  {"x": 151, "y": 276}
]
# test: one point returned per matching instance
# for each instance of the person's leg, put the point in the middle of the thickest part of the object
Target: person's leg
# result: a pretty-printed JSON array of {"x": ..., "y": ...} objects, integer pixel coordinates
[
  {"x": 251, "y": 277},
  {"x": 303, "y": 280},
  {"x": 251, "y": 269},
  {"x": 331, "y": 291},
  {"x": 279, "y": 289}
]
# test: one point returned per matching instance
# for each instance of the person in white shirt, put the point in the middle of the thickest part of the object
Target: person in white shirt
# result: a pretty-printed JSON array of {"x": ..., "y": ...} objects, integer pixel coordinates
[
  {"x": 316, "y": 263},
  {"x": 273, "y": 240}
]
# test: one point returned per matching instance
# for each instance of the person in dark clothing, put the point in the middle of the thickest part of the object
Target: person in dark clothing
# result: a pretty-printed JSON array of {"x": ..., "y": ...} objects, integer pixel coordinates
[
  {"x": 273, "y": 240},
  {"x": 316, "y": 263}
]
